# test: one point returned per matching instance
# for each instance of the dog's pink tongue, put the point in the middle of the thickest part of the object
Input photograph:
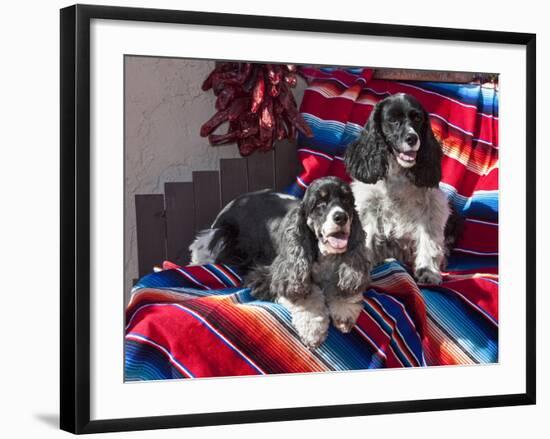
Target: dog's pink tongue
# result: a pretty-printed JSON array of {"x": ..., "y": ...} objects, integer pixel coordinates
[
  {"x": 408, "y": 156},
  {"x": 337, "y": 242}
]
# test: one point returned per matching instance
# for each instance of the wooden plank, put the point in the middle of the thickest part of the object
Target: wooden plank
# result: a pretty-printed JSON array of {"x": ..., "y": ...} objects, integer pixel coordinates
[
  {"x": 286, "y": 164},
  {"x": 151, "y": 232},
  {"x": 261, "y": 171},
  {"x": 179, "y": 202},
  {"x": 233, "y": 179},
  {"x": 431, "y": 75},
  {"x": 206, "y": 186}
]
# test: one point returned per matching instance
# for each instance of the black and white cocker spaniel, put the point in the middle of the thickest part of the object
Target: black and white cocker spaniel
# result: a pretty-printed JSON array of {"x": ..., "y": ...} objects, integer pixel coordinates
[
  {"x": 308, "y": 255},
  {"x": 396, "y": 168}
]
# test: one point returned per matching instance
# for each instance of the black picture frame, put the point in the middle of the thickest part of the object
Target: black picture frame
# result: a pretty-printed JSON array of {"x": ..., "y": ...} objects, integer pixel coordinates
[{"x": 75, "y": 217}]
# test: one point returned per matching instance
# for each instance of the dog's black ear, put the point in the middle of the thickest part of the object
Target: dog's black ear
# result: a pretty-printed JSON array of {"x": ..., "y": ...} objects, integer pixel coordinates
[
  {"x": 291, "y": 269},
  {"x": 357, "y": 234},
  {"x": 427, "y": 172},
  {"x": 366, "y": 158},
  {"x": 308, "y": 201}
]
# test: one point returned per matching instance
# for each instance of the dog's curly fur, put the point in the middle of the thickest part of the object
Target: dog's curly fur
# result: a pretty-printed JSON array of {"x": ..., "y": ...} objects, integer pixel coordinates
[
  {"x": 299, "y": 268},
  {"x": 396, "y": 167}
]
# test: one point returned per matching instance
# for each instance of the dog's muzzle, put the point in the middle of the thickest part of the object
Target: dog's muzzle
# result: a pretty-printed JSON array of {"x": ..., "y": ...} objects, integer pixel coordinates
[
  {"x": 406, "y": 154},
  {"x": 335, "y": 232}
]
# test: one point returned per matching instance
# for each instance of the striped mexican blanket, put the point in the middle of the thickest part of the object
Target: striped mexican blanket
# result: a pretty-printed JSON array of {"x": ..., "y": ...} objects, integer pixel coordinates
[{"x": 196, "y": 321}]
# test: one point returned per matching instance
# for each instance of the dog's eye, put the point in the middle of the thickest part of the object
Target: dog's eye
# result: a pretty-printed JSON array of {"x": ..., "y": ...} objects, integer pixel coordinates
[
  {"x": 417, "y": 117},
  {"x": 394, "y": 116},
  {"x": 321, "y": 205}
]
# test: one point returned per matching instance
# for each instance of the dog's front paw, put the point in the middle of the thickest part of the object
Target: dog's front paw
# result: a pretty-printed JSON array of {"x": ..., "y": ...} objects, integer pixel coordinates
[
  {"x": 427, "y": 276},
  {"x": 312, "y": 329},
  {"x": 344, "y": 326},
  {"x": 345, "y": 312}
]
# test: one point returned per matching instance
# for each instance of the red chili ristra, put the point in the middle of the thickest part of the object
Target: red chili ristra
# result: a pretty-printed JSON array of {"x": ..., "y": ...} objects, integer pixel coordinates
[{"x": 257, "y": 101}]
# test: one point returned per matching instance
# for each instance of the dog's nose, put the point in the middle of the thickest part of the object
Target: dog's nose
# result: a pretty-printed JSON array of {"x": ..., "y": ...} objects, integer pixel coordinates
[
  {"x": 340, "y": 217},
  {"x": 411, "y": 139}
]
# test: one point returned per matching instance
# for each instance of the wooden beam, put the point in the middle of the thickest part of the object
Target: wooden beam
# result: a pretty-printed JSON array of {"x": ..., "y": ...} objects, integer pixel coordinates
[
  {"x": 151, "y": 232},
  {"x": 206, "y": 186},
  {"x": 233, "y": 179},
  {"x": 261, "y": 171},
  {"x": 179, "y": 201}
]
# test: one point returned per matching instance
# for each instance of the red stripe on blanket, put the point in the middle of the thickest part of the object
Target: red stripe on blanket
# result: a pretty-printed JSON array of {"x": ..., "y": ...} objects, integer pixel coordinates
[
  {"x": 147, "y": 296},
  {"x": 338, "y": 169},
  {"x": 477, "y": 156},
  {"x": 476, "y": 270},
  {"x": 466, "y": 182},
  {"x": 479, "y": 237},
  {"x": 230, "y": 274},
  {"x": 479, "y": 290},
  {"x": 314, "y": 166},
  {"x": 169, "y": 265},
  {"x": 446, "y": 129},
  {"x": 380, "y": 337},
  {"x": 336, "y": 109},
  {"x": 190, "y": 341},
  {"x": 206, "y": 277}
]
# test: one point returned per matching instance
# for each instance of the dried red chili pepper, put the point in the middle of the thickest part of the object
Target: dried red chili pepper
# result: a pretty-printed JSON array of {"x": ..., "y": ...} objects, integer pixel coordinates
[
  {"x": 274, "y": 73},
  {"x": 213, "y": 123},
  {"x": 238, "y": 107},
  {"x": 258, "y": 94},
  {"x": 274, "y": 91},
  {"x": 257, "y": 101},
  {"x": 227, "y": 95},
  {"x": 291, "y": 79},
  {"x": 222, "y": 139},
  {"x": 280, "y": 132},
  {"x": 266, "y": 117}
]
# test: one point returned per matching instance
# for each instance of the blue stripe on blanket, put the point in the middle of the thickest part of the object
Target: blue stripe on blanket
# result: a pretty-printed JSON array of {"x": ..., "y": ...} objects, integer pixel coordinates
[
  {"x": 144, "y": 362},
  {"x": 474, "y": 332}
]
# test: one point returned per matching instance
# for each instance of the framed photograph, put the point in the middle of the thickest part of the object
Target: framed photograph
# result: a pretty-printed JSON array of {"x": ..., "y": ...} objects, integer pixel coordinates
[{"x": 275, "y": 218}]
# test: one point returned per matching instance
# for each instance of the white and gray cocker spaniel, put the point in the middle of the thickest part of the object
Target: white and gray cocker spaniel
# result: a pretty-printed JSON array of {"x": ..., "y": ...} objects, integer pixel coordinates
[{"x": 396, "y": 168}]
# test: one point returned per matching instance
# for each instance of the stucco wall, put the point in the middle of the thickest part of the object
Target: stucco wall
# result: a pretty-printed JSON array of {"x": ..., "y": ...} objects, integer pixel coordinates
[{"x": 164, "y": 109}]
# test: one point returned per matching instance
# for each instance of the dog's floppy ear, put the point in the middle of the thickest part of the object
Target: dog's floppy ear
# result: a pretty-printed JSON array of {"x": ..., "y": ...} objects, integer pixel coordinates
[
  {"x": 354, "y": 270},
  {"x": 291, "y": 269},
  {"x": 427, "y": 171},
  {"x": 366, "y": 158}
]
